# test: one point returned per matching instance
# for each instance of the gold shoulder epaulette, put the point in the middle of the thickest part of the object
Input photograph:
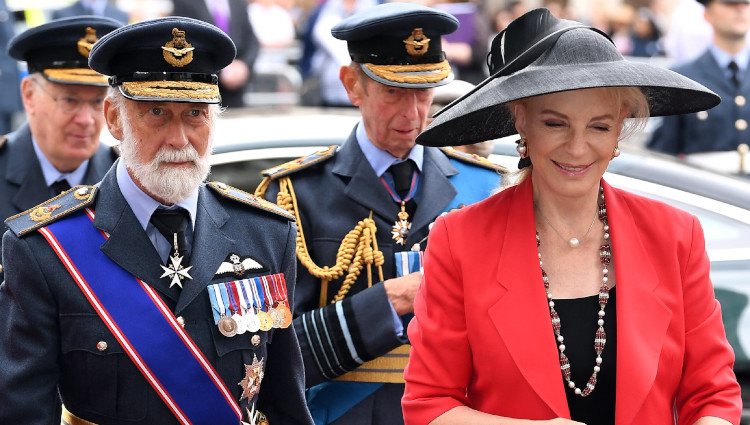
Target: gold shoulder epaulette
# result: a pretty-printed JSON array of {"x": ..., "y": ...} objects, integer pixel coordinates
[
  {"x": 3, "y": 141},
  {"x": 299, "y": 163},
  {"x": 51, "y": 210},
  {"x": 473, "y": 159},
  {"x": 248, "y": 199}
]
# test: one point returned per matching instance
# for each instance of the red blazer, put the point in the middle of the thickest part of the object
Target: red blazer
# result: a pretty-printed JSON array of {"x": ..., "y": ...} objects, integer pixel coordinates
[{"x": 482, "y": 335}]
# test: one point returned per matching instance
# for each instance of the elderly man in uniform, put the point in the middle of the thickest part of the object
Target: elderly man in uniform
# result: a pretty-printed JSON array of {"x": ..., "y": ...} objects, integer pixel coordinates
[
  {"x": 723, "y": 68},
  {"x": 59, "y": 146},
  {"x": 364, "y": 212},
  {"x": 152, "y": 298}
]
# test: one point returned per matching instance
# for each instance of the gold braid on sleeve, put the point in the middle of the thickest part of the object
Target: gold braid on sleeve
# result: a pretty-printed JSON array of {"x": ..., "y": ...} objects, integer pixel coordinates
[{"x": 358, "y": 249}]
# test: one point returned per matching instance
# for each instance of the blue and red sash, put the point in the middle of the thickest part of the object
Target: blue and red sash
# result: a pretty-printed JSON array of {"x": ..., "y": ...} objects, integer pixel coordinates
[{"x": 143, "y": 325}]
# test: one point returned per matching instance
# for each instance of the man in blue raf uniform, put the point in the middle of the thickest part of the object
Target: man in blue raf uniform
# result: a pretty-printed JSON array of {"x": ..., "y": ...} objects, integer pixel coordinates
[
  {"x": 364, "y": 212},
  {"x": 723, "y": 68},
  {"x": 59, "y": 146},
  {"x": 152, "y": 298}
]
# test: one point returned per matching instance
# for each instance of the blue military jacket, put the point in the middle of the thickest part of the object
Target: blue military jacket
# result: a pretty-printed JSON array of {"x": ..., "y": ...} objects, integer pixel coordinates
[
  {"x": 22, "y": 184},
  {"x": 50, "y": 336},
  {"x": 721, "y": 128},
  {"x": 333, "y": 193}
]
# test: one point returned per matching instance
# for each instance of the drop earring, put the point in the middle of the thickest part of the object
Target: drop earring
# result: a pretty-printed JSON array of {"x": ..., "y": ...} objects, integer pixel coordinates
[{"x": 521, "y": 147}]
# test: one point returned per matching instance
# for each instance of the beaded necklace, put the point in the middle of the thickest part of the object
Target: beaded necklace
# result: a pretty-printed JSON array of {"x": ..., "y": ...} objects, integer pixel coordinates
[{"x": 600, "y": 338}]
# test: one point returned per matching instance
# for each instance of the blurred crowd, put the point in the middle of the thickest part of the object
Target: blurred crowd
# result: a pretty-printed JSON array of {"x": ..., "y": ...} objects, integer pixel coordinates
[
  {"x": 294, "y": 55},
  {"x": 287, "y": 55}
]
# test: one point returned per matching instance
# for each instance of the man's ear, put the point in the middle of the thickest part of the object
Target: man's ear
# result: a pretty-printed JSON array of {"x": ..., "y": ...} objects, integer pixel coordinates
[
  {"x": 112, "y": 115},
  {"x": 27, "y": 94},
  {"x": 352, "y": 83}
]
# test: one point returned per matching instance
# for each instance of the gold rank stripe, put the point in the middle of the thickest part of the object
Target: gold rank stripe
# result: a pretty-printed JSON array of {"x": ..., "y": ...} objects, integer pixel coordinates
[
  {"x": 388, "y": 368},
  {"x": 76, "y": 76}
]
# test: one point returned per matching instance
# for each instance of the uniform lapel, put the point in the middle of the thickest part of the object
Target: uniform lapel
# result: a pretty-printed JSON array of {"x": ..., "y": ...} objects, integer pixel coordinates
[
  {"x": 713, "y": 72},
  {"x": 210, "y": 247},
  {"x": 99, "y": 164},
  {"x": 642, "y": 318},
  {"x": 128, "y": 245},
  {"x": 435, "y": 193},
  {"x": 363, "y": 186},
  {"x": 24, "y": 170},
  {"x": 521, "y": 315}
]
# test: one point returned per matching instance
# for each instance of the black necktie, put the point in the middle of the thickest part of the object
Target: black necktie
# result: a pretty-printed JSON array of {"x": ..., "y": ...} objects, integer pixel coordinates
[
  {"x": 735, "y": 73},
  {"x": 170, "y": 223},
  {"x": 402, "y": 173},
  {"x": 59, "y": 187}
]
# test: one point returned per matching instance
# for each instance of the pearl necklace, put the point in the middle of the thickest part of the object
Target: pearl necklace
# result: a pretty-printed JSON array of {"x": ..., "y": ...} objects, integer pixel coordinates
[
  {"x": 600, "y": 338},
  {"x": 573, "y": 242}
]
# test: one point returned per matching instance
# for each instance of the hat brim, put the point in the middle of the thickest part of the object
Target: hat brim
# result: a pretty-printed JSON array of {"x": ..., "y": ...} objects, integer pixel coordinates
[
  {"x": 415, "y": 76},
  {"x": 171, "y": 91},
  {"x": 483, "y": 114},
  {"x": 77, "y": 76}
]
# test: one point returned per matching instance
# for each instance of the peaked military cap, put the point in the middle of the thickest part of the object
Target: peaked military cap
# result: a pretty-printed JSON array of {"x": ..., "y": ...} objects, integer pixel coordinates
[
  {"x": 59, "y": 49},
  {"x": 171, "y": 59},
  {"x": 399, "y": 44}
]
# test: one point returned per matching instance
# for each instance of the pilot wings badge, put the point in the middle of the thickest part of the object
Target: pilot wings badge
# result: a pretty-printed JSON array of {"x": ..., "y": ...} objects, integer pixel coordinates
[{"x": 238, "y": 266}]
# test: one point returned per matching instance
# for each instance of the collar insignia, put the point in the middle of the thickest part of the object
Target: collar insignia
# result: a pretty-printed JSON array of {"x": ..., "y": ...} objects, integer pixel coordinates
[
  {"x": 253, "y": 376},
  {"x": 238, "y": 266},
  {"x": 86, "y": 42},
  {"x": 178, "y": 52},
  {"x": 417, "y": 43}
]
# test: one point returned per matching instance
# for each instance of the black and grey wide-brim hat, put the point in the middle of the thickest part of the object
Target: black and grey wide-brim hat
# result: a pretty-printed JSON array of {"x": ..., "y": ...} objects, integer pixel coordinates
[
  {"x": 170, "y": 59},
  {"x": 399, "y": 44},
  {"x": 59, "y": 49},
  {"x": 539, "y": 54}
]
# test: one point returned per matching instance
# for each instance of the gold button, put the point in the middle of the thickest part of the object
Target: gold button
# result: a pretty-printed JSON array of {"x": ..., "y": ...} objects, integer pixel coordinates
[
  {"x": 101, "y": 345},
  {"x": 222, "y": 186},
  {"x": 740, "y": 124},
  {"x": 82, "y": 191},
  {"x": 181, "y": 321},
  {"x": 740, "y": 100},
  {"x": 1, "y": 268},
  {"x": 702, "y": 115},
  {"x": 255, "y": 340}
]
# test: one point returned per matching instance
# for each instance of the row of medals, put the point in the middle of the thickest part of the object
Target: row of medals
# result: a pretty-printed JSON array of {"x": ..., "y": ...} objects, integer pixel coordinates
[{"x": 254, "y": 320}]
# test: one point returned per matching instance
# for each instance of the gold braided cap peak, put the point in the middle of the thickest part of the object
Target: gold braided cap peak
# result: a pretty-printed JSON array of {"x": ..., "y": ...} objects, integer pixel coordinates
[
  {"x": 473, "y": 159},
  {"x": 243, "y": 197},
  {"x": 301, "y": 163}
]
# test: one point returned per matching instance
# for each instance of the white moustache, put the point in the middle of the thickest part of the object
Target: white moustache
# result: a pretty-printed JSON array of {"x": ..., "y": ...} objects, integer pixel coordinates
[{"x": 168, "y": 154}]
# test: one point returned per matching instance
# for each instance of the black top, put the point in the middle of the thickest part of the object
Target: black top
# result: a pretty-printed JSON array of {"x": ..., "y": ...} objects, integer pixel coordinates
[{"x": 578, "y": 317}]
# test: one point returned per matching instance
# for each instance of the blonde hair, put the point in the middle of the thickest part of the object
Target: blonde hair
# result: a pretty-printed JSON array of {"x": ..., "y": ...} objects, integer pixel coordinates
[{"x": 631, "y": 98}]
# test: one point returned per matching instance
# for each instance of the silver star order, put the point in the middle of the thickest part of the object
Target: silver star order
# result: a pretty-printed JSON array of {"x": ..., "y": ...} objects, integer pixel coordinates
[
  {"x": 176, "y": 271},
  {"x": 400, "y": 231}
]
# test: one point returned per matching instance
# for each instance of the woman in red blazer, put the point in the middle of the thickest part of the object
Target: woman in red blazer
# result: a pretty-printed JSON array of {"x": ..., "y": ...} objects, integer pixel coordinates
[{"x": 562, "y": 299}]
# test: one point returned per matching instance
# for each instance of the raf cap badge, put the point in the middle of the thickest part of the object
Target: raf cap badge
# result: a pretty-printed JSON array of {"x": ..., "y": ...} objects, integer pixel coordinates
[
  {"x": 253, "y": 376},
  {"x": 86, "y": 42},
  {"x": 238, "y": 266},
  {"x": 417, "y": 43},
  {"x": 178, "y": 52}
]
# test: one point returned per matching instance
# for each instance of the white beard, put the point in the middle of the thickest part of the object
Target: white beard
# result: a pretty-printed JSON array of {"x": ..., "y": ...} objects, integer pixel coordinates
[{"x": 169, "y": 184}]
